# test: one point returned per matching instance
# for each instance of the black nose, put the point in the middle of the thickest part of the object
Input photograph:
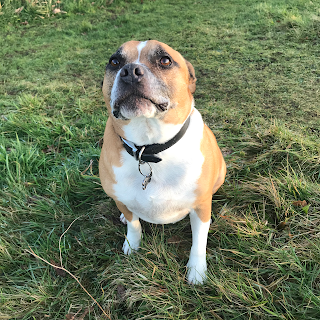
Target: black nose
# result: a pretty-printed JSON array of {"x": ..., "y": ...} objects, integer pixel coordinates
[{"x": 131, "y": 73}]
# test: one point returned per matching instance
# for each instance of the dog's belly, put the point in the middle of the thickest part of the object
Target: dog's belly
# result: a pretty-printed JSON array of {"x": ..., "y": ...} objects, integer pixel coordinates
[
  {"x": 157, "y": 206},
  {"x": 169, "y": 196},
  {"x": 159, "y": 212}
]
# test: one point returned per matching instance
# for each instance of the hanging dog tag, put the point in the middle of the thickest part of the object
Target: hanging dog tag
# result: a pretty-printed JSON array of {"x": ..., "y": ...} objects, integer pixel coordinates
[
  {"x": 147, "y": 178},
  {"x": 146, "y": 181}
]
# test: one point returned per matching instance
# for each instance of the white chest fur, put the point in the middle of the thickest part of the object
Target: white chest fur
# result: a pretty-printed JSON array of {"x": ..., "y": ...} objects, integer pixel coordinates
[{"x": 170, "y": 194}]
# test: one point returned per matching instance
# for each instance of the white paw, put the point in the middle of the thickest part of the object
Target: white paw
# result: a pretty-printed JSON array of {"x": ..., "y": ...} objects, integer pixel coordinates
[
  {"x": 123, "y": 219},
  {"x": 197, "y": 268},
  {"x": 130, "y": 245}
]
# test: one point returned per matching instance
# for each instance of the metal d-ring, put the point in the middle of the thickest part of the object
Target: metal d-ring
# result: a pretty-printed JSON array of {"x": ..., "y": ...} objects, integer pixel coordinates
[{"x": 140, "y": 154}]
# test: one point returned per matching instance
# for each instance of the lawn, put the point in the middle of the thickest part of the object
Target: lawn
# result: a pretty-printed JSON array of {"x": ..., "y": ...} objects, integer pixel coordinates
[{"x": 258, "y": 69}]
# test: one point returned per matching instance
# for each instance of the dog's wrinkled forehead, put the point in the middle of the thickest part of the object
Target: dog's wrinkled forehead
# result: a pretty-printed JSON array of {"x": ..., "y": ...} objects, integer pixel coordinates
[
  {"x": 130, "y": 50},
  {"x": 144, "y": 52}
]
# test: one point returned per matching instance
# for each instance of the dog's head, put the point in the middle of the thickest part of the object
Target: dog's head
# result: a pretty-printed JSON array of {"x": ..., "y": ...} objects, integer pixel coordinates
[{"x": 149, "y": 79}]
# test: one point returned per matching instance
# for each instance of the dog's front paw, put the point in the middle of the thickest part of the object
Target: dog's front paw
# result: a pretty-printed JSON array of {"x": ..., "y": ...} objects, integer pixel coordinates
[
  {"x": 197, "y": 268},
  {"x": 130, "y": 245},
  {"x": 123, "y": 219}
]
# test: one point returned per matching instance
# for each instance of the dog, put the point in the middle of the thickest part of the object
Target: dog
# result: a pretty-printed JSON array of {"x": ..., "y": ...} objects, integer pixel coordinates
[{"x": 159, "y": 161}]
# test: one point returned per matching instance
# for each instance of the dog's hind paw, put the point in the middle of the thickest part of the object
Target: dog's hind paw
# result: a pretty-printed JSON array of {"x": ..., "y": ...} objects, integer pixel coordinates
[{"x": 123, "y": 219}]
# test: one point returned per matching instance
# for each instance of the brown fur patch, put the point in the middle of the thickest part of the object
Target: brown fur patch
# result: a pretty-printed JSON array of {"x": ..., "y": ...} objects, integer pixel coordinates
[
  {"x": 181, "y": 97},
  {"x": 110, "y": 156},
  {"x": 130, "y": 50},
  {"x": 123, "y": 209},
  {"x": 212, "y": 174}
]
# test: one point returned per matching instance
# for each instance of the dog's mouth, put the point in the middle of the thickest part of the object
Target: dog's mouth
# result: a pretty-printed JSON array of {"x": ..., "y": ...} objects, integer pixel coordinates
[{"x": 137, "y": 104}]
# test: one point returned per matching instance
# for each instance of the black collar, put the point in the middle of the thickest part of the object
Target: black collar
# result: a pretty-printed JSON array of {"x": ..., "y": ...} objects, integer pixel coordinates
[{"x": 148, "y": 154}]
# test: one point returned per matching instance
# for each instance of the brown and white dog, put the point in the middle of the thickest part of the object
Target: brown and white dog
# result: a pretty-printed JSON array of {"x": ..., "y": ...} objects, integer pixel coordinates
[{"x": 159, "y": 161}]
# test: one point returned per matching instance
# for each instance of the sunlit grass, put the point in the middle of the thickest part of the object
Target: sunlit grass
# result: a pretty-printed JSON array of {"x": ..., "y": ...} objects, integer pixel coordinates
[{"x": 258, "y": 89}]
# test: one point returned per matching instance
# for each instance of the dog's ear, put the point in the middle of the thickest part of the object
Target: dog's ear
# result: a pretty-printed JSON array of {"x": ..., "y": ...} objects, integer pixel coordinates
[{"x": 192, "y": 77}]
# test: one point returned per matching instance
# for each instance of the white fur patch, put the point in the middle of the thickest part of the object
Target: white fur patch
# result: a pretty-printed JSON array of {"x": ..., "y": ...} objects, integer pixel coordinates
[
  {"x": 143, "y": 130},
  {"x": 123, "y": 219},
  {"x": 197, "y": 265},
  {"x": 133, "y": 237},
  {"x": 140, "y": 46},
  {"x": 114, "y": 90},
  {"x": 170, "y": 195}
]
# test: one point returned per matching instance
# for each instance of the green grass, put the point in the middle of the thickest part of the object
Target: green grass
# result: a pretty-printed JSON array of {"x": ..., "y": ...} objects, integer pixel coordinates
[{"x": 258, "y": 71}]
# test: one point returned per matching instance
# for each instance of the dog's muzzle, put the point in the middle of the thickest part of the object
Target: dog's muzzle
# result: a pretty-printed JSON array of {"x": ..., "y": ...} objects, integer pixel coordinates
[{"x": 137, "y": 91}]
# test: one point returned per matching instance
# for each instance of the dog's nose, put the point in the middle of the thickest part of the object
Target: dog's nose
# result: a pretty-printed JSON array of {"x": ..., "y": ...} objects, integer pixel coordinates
[{"x": 131, "y": 73}]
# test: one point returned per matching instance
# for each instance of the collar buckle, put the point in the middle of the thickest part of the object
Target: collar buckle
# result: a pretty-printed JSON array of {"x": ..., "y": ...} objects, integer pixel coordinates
[{"x": 134, "y": 150}]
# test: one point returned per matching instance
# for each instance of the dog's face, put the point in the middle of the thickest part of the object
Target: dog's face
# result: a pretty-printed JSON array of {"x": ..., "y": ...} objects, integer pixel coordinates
[{"x": 148, "y": 79}]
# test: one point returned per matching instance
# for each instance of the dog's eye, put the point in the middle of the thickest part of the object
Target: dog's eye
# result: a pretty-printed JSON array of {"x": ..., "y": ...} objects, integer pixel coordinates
[
  {"x": 114, "y": 62},
  {"x": 165, "y": 61}
]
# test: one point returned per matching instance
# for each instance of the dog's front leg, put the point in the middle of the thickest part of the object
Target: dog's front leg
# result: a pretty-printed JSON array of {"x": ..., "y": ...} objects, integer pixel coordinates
[
  {"x": 197, "y": 264},
  {"x": 133, "y": 237}
]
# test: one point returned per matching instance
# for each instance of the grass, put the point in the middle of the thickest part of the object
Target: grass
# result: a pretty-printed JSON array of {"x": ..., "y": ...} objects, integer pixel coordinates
[{"x": 258, "y": 89}]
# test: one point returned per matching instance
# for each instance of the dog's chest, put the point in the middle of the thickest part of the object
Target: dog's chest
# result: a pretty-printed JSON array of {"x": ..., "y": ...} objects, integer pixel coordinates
[{"x": 171, "y": 192}]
